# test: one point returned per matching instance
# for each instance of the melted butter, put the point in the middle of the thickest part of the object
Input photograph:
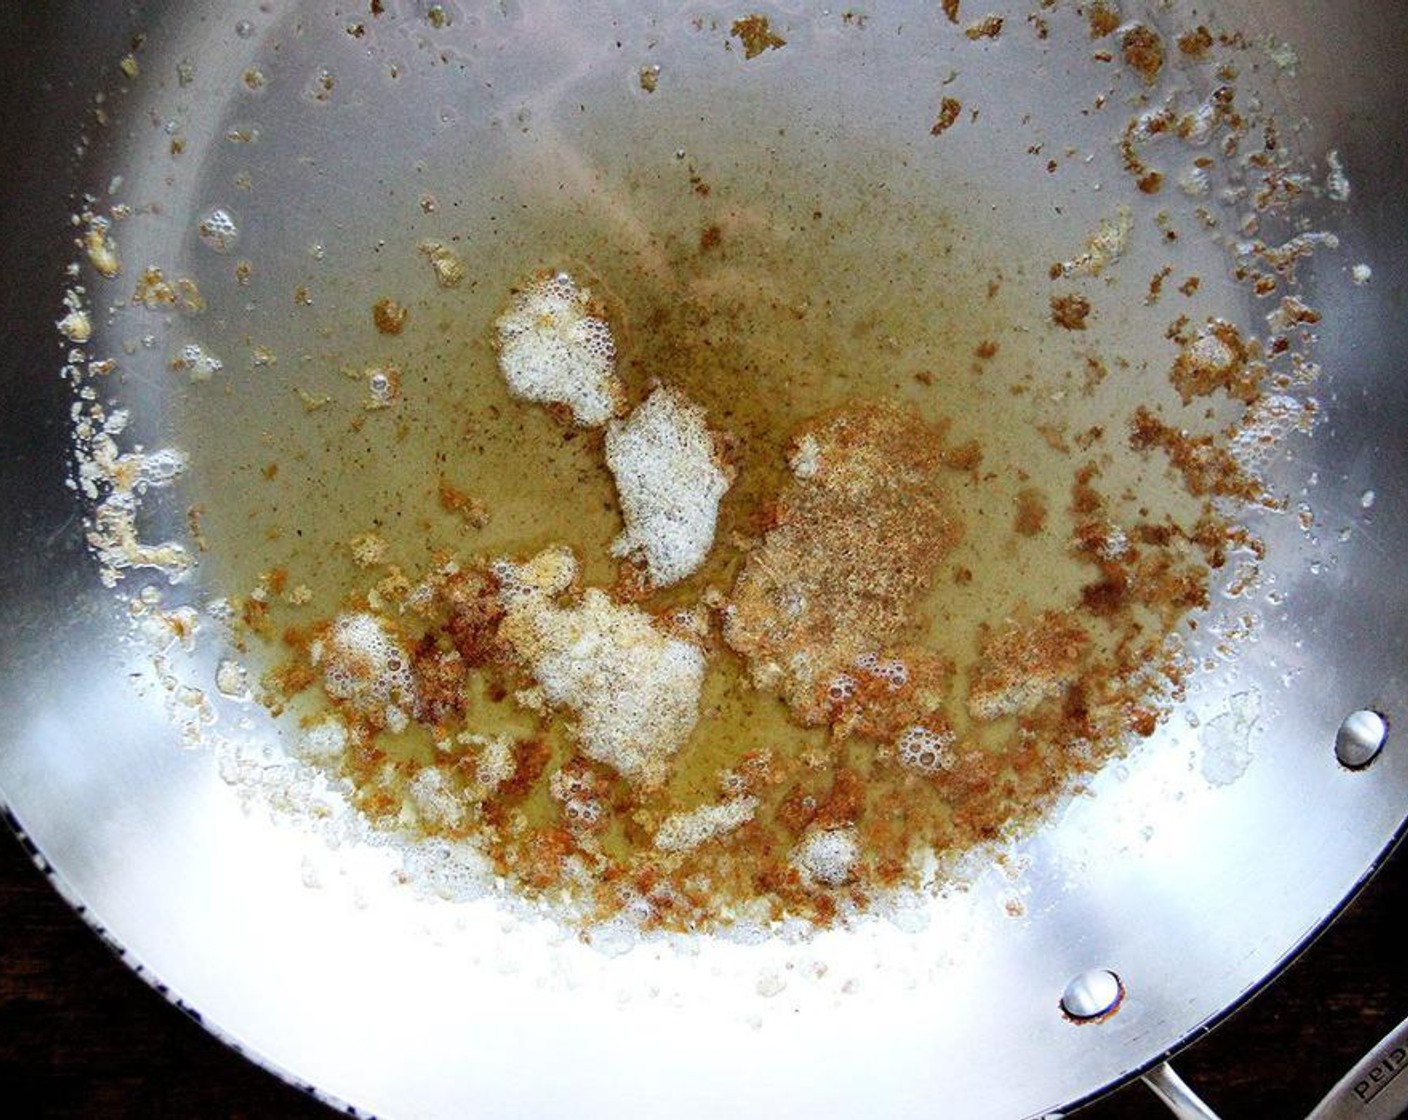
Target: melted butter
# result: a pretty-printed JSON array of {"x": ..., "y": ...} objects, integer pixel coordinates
[{"x": 769, "y": 291}]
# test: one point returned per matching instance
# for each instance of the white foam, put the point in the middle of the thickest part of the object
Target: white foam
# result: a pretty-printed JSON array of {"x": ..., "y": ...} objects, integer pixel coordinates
[
  {"x": 365, "y": 666},
  {"x": 670, "y": 483},
  {"x": 323, "y": 741},
  {"x": 495, "y": 763},
  {"x": 827, "y": 856},
  {"x": 682, "y": 832},
  {"x": 434, "y": 802},
  {"x": 633, "y": 687},
  {"x": 552, "y": 350}
]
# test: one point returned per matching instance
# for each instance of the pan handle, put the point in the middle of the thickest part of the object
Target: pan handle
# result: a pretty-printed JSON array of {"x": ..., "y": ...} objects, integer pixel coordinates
[
  {"x": 1373, "y": 1089},
  {"x": 1174, "y": 1092}
]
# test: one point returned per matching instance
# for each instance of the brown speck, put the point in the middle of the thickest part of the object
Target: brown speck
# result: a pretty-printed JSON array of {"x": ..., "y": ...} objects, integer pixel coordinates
[
  {"x": 445, "y": 263},
  {"x": 951, "y": 10},
  {"x": 389, "y": 316},
  {"x": 1104, "y": 18},
  {"x": 949, "y": 110},
  {"x": 1189, "y": 286},
  {"x": 1196, "y": 43},
  {"x": 986, "y": 350},
  {"x": 302, "y": 296},
  {"x": 1095, "y": 373},
  {"x": 710, "y": 237},
  {"x": 456, "y": 501},
  {"x": 1031, "y": 512},
  {"x": 243, "y": 271},
  {"x": 649, "y": 78},
  {"x": 1143, "y": 51},
  {"x": 1151, "y": 182},
  {"x": 989, "y": 27},
  {"x": 1070, "y": 311},
  {"x": 376, "y": 7},
  {"x": 756, "y": 35},
  {"x": 1156, "y": 285},
  {"x": 193, "y": 522},
  {"x": 270, "y": 472},
  {"x": 1054, "y": 436},
  {"x": 1143, "y": 722}
]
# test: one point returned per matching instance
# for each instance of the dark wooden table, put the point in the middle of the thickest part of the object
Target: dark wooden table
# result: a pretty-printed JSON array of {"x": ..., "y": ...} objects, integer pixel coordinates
[{"x": 86, "y": 1038}]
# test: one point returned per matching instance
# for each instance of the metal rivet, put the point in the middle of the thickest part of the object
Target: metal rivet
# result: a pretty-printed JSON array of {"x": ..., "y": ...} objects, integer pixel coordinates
[
  {"x": 1360, "y": 738},
  {"x": 1093, "y": 994}
]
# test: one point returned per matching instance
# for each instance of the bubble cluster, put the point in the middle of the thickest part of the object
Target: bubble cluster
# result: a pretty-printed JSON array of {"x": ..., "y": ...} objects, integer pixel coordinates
[
  {"x": 199, "y": 362},
  {"x": 1263, "y": 429},
  {"x": 218, "y": 230},
  {"x": 893, "y": 672},
  {"x": 554, "y": 350},
  {"x": 366, "y": 667},
  {"x": 827, "y": 857},
  {"x": 582, "y": 812},
  {"x": 928, "y": 751},
  {"x": 842, "y": 688}
]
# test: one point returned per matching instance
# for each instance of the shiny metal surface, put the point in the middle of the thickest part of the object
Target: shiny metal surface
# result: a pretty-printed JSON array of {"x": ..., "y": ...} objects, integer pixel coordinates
[
  {"x": 1164, "y": 1082},
  {"x": 1376, "y": 1088},
  {"x": 314, "y": 960}
]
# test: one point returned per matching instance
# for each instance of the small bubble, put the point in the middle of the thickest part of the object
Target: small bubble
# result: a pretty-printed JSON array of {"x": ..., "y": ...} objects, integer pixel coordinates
[
  {"x": 1366, "y": 499},
  {"x": 218, "y": 230}
]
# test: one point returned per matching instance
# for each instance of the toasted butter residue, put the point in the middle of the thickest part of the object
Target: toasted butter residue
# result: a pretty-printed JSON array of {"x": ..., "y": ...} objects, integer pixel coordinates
[{"x": 862, "y": 527}]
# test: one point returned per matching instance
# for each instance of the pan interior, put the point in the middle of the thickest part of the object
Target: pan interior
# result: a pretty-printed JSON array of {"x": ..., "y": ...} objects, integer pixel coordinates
[{"x": 1015, "y": 231}]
